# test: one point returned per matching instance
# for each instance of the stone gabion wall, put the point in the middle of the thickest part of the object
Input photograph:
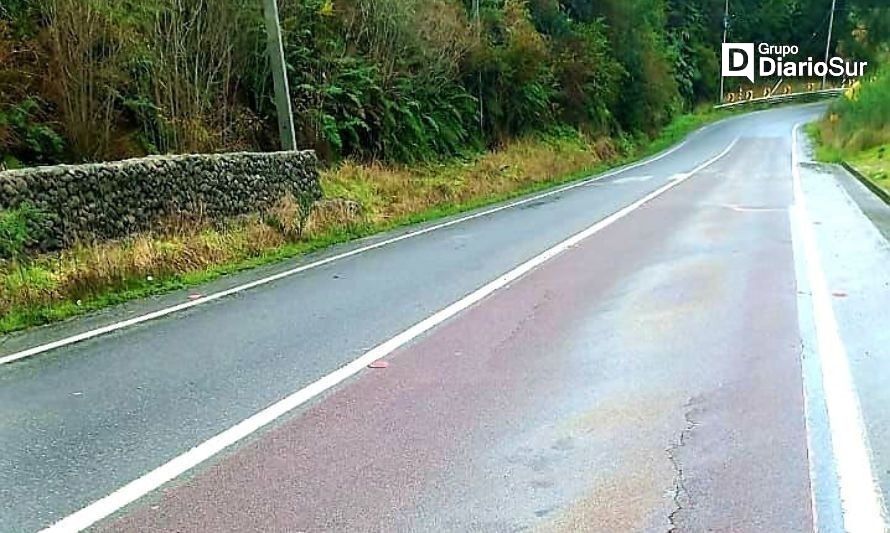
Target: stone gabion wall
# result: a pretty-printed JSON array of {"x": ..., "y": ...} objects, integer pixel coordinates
[{"x": 111, "y": 200}]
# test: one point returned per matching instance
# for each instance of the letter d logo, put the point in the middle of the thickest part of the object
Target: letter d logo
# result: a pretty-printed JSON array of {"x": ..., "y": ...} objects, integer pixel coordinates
[{"x": 738, "y": 60}]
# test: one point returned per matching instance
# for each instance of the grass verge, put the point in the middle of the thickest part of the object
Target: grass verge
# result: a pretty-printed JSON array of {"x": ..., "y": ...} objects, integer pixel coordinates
[
  {"x": 368, "y": 199},
  {"x": 873, "y": 163},
  {"x": 857, "y": 130}
]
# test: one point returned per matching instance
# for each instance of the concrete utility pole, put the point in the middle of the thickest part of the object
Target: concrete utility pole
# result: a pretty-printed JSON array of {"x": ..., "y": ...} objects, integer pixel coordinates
[
  {"x": 828, "y": 44},
  {"x": 279, "y": 77},
  {"x": 725, "y": 33}
]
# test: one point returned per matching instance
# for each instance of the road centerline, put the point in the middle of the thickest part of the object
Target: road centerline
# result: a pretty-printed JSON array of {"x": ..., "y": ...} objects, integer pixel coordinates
[
  {"x": 147, "y": 317},
  {"x": 181, "y": 464}
]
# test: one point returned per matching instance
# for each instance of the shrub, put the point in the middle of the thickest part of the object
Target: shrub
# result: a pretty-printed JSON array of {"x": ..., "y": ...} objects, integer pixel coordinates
[
  {"x": 19, "y": 228},
  {"x": 511, "y": 70},
  {"x": 188, "y": 81},
  {"x": 86, "y": 70},
  {"x": 861, "y": 120},
  {"x": 398, "y": 80},
  {"x": 869, "y": 111}
]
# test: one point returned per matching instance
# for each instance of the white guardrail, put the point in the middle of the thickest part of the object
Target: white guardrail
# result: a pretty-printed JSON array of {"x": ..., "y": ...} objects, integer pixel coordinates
[{"x": 826, "y": 93}]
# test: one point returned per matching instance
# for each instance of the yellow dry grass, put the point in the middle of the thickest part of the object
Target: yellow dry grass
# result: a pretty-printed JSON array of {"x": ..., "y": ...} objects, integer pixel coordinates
[
  {"x": 393, "y": 193},
  {"x": 372, "y": 195}
]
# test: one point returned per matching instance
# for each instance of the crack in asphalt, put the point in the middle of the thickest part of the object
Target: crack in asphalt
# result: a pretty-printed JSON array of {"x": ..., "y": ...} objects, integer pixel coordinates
[
  {"x": 520, "y": 325},
  {"x": 680, "y": 495}
]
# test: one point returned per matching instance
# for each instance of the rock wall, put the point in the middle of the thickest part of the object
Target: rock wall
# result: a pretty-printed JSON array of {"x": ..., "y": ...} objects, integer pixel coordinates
[{"x": 111, "y": 200}]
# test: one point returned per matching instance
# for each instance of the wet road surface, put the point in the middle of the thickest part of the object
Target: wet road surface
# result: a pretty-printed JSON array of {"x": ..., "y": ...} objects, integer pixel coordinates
[{"x": 653, "y": 376}]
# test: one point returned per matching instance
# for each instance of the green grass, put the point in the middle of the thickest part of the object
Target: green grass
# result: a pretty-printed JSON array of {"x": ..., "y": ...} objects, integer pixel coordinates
[
  {"x": 874, "y": 164},
  {"x": 857, "y": 131},
  {"x": 23, "y": 317},
  {"x": 824, "y": 152}
]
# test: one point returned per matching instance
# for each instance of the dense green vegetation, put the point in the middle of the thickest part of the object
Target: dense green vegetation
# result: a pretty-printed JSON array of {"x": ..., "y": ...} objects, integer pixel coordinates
[
  {"x": 91, "y": 276},
  {"x": 857, "y": 129},
  {"x": 862, "y": 119},
  {"x": 529, "y": 94},
  {"x": 394, "y": 80}
]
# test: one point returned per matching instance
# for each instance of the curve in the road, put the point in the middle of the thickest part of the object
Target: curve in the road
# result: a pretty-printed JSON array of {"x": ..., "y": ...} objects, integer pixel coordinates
[
  {"x": 676, "y": 328},
  {"x": 136, "y": 489},
  {"x": 154, "y": 315}
]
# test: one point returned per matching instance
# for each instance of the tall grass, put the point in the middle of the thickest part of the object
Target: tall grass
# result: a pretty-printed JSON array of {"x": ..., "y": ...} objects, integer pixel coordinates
[
  {"x": 362, "y": 199},
  {"x": 857, "y": 130},
  {"x": 861, "y": 120}
]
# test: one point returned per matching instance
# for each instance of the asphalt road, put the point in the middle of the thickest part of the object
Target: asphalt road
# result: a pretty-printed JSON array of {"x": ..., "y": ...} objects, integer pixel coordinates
[{"x": 663, "y": 372}]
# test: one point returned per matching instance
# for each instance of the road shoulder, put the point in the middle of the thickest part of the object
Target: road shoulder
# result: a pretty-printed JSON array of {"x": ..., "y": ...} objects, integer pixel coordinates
[{"x": 851, "y": 228}]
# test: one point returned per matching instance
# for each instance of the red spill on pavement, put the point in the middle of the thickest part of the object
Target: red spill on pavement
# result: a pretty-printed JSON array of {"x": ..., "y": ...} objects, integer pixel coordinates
[{"x": 378, "y": 364}]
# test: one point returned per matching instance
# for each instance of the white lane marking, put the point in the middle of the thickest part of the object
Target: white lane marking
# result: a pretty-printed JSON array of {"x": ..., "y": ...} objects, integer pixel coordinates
[
  {"x": 632, "y": 179},
  {"x": 861, "y": 500},
  {"x": 134, "y": 490},
  {"x": 104, "y": 330},
  {"x": 744, "y": 209}
]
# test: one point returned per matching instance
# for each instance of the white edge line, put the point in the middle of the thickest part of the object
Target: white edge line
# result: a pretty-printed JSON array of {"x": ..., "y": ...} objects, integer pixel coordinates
[
  {"x": 810, "y": 406},
  {"x": 134, "y": 490},
  {"x": 861, "y": 499},
  {"x": 104, "y": 330}
]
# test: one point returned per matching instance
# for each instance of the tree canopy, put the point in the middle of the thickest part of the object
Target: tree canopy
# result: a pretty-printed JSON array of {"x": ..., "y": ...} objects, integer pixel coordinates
[{"x": 398, "y": 80}]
